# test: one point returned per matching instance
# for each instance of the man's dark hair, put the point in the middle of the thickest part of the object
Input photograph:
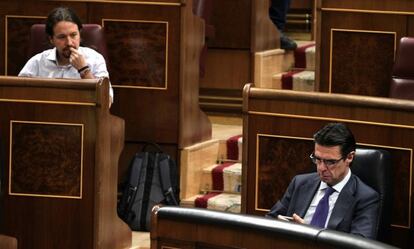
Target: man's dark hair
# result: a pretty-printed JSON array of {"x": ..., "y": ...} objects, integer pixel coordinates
[
  {"x": 61, "y": 14},
  {"x": 334, "y": 134}
]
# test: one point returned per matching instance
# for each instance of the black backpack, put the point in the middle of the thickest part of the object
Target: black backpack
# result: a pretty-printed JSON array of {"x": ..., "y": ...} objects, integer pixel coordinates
[{"x": 152, "y": 179}]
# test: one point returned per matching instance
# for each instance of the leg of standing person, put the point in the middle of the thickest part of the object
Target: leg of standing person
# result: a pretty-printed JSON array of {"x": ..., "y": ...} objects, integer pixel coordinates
[{"x": 277, "y": 13}]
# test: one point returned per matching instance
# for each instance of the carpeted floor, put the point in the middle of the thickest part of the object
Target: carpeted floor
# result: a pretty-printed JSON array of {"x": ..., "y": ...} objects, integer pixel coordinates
[{"x": 140, "y": 240}]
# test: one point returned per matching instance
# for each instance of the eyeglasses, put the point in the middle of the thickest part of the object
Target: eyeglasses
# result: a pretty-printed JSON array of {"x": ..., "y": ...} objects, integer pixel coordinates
[{"x": 328, "y": 162}]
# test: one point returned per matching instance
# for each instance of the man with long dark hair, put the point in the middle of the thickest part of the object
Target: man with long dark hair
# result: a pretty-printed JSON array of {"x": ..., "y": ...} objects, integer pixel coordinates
[{"x": 67, "y": 59}]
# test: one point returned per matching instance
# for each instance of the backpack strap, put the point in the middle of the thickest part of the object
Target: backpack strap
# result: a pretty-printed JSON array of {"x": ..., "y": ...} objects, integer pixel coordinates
[
  {"x": 128, "y": 197},
  {"x": 166, "y": 186}
]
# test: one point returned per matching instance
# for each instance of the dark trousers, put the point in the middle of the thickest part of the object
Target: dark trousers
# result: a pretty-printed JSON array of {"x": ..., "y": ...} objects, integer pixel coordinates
[{"x": 277, "y": 12}]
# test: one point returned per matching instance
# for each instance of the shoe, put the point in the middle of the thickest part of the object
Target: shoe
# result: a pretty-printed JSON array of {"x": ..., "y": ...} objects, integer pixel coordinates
[{"x": 286, "y": 43}]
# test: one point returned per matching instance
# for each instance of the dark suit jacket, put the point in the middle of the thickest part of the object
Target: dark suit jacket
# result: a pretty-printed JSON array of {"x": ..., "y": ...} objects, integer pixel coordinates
[{"x": 355, "y": 211}]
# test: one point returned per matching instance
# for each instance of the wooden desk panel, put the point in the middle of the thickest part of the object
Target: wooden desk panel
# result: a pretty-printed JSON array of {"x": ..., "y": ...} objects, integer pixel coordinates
[
  {"x": 60, "y": 155},
  {"x": 54, "y": 151},
  {"x": 351, "y": 62}
]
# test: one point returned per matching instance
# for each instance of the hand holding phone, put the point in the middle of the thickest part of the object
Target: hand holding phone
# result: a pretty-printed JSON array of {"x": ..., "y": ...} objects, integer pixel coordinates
[{"x": 284, "y": 218}]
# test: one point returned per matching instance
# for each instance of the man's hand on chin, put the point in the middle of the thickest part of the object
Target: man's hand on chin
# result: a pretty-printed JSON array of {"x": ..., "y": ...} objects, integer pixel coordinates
[{"x": 76, "y": 59}]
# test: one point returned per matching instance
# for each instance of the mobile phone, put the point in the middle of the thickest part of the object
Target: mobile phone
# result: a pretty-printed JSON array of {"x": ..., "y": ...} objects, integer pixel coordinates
[{"x": 285, "y": 218}]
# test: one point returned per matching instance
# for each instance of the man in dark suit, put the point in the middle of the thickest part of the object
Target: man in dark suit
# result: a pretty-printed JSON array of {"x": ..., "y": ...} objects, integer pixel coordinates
[
  {"x": 352, "y": 205},
  {"x": 277, "y": 13}
]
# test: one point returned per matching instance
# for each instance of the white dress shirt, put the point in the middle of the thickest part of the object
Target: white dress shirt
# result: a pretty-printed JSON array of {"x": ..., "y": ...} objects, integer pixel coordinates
[
  {"x": 45, "y": 65},
  {"x": 332, "y": 198}
]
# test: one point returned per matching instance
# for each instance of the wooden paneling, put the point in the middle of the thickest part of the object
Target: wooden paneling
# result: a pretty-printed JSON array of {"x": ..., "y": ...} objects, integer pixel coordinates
[
  {"x": 279, "y": 154},
  {"x": 17, "y": 38},
  {"x": 384, "y": 5},
  {"x": 54, "y": 153},
  {"x": 194, "y": 126},
  {"x": 137, "y": 51},
  {"x": 350, "y": 72},
  {"x": 46, "y": 213},
  {"x": 231, "y": 20},
  {"x": 153, "y": 61},
  {"x": 7, "y": 242},
  {"x": 301, "y": 4},
  {"x": 360, "y": 60},
  {"x": 264, "y": 35},
  {"x": 242, "y": 27},
  {"x": 141, "y": 89},
  {"x": 231, "y": 67},
  {"x": 62, "y": 155},
  {"x": 279, "y": 127}
]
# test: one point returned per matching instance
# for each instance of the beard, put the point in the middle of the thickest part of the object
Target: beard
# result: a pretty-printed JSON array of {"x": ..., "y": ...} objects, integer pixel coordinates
[{"x": 66, "y": 52}]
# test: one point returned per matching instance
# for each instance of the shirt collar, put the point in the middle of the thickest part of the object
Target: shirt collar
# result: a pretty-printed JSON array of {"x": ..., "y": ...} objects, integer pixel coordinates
[
  {"x": 52, "y": 55},
  {"x": 340, "y": 185}
]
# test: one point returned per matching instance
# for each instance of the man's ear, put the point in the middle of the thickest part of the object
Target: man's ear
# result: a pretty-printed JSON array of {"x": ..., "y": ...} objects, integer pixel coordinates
[
  {"x": 51, "y": 40},
  {"x": 350, "y": 157}
]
